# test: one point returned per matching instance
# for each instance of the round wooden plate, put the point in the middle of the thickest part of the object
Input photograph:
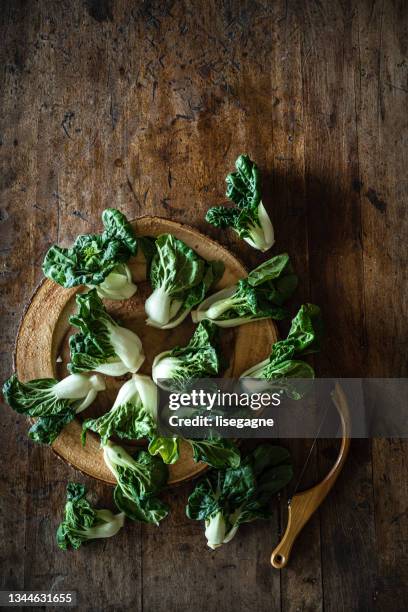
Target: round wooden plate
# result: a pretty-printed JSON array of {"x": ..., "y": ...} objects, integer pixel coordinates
[{"x": 42, "y": 345}]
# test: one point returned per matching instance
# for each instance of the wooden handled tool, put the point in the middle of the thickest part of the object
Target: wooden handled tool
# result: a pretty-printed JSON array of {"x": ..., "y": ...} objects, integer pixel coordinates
[{"x": 304, "y": 504}]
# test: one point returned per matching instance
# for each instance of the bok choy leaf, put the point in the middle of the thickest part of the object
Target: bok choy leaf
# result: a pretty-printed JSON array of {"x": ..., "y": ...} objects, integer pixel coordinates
[
  {"x": 304, "y": 337},
  {"x": 180, "y": 280},
  {"x": 82, "y": 522},
  {"x": 54, "y": 403},
  {"x": 175, "y": 369},
  {"x": 102, "y": 345},
  {"x": 97, "y": 260},
  {"x": 132, "y": 416},
  {"x": 215, "y": 451},
  {"x": 248, "y": 218},
  {"x": 260, "y": 295},
  {"x": 228, "y": 498},
  {"x": 139, "y": 480}
]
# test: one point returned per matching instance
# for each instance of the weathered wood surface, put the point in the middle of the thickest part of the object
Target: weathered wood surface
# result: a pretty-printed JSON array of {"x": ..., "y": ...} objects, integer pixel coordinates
[{"x": 145, "y": 106}]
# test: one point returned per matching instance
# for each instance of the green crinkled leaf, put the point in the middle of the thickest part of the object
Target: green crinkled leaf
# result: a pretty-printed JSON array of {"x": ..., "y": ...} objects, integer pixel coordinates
[
  {"x": 213, "y": 272},
  {"x": 132, "y": 415},
  {"x": 47, "y": 428},
  {"x": 238, "y": 495},
  {"x": 202, "y": 502},
  {"x": 304, "y": 337},
  {"x": 147, "y": 476},
  {"x": 139, "y": 480},
  {"x": 117, "y": 227},
  {"x": 93, "y": 347},
  {"x": 146, "y": 510},
  {"x": 92, "y": 257},
  {"x": 217, "y": 452},
  {"x": 244, "y": 189},
  {"x": 180, "y": 279},
  {"x": 175, "y": 267},
  {"x": 199, "y": 359},
  {"x": 127, "y": 422},
  {"x": 261, "y": 295},
  {"x": 82, "y": 523},
  {"x": 223, "y": 217},
  {"x": 167, "y": 448},
  {"x": 36, "y": 398},
  {"x": 244, "y": 185}
]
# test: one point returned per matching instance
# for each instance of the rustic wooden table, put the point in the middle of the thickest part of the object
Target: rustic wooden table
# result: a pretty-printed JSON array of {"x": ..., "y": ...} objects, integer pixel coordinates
[{"x": 145, "y": 106}]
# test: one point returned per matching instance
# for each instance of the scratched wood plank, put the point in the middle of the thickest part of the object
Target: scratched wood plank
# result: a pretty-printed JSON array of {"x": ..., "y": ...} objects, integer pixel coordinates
[
  {"x": 24, "y": 227},
  {"x": 206, "y": 101},
  {"x": 337, "y": 285},
  {"x": 383, "y": 30},
  {"x": 55, "y": 149},
  {"x": 301, "y": 582}
]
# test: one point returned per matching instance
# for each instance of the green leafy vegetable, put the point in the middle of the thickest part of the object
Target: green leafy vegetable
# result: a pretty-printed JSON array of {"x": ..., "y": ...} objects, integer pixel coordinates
[
  {"x": 82, "y": 522},
  {"x": 132, "y": 416},
  {"x": 54, "y": 403},
  {"x": 304, "y": 337},
  {"x": 215, "y": 451},
  {"x": 180, "y": 279},
  {"x": 230, "y": 497},
  {"x": 139, "y": 479},
  {"x": 248, "y": 218},
  {"x": 97, "y": 260},
  {"x": 259, "y": 296},
  {"x": 102, "y": 345},
  {"x": 167, "y": 448},
  {"x": 175, "y": 369}
]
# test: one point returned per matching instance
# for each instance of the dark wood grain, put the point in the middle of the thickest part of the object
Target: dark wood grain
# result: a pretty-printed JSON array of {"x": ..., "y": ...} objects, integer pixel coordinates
[
  {"x": 382, "y": 121},
  {"x": 145, "y": 106}
]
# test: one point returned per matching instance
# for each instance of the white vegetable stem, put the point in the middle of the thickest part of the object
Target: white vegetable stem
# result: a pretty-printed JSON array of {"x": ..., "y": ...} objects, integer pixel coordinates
[
  {"x": 140, "y": 389},
  {"x": 163, "y": 311},
  {"x": 112, "y": 523},
  {"x": 215, "y": 529},
  {"x": 262, "y": 235},
  {"x": 118, "y": 285},
  {"x": 78, "y": 386},
  {"x": 218, "y": 303},
  {"x": 128, "y": 347},
  {"x": 212, "y": 306},
  {"x": 163, "y": 368},
  {"x": 255, "y": 371},
  {"x": 115, "y": 455}
]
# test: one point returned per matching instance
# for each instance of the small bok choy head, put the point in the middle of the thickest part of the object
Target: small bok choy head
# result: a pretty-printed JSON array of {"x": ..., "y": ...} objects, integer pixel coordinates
[
  {"x": 102, "y": 345},
  {"x": 53, "y": 403},
  {"x": 180, "y": 280},
  {"x": 82, "y": 522},
  {"x": 140, "y": 478},
  {"x": 97, "y": 260},
  {"x": 175, "y": 369},
  {"x": 228, "y": 498},
  {"x": 304, "y": 337},
  {"x": 248, "y": 218},
  {"x": 217, "y": 452},
  {"x": 258, "y": 296},
  {"x": 132, "y": 416}
]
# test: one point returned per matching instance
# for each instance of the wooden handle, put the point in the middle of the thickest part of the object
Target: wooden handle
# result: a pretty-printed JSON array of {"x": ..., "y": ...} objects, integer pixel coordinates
[{"x": 304, "y": 504}]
